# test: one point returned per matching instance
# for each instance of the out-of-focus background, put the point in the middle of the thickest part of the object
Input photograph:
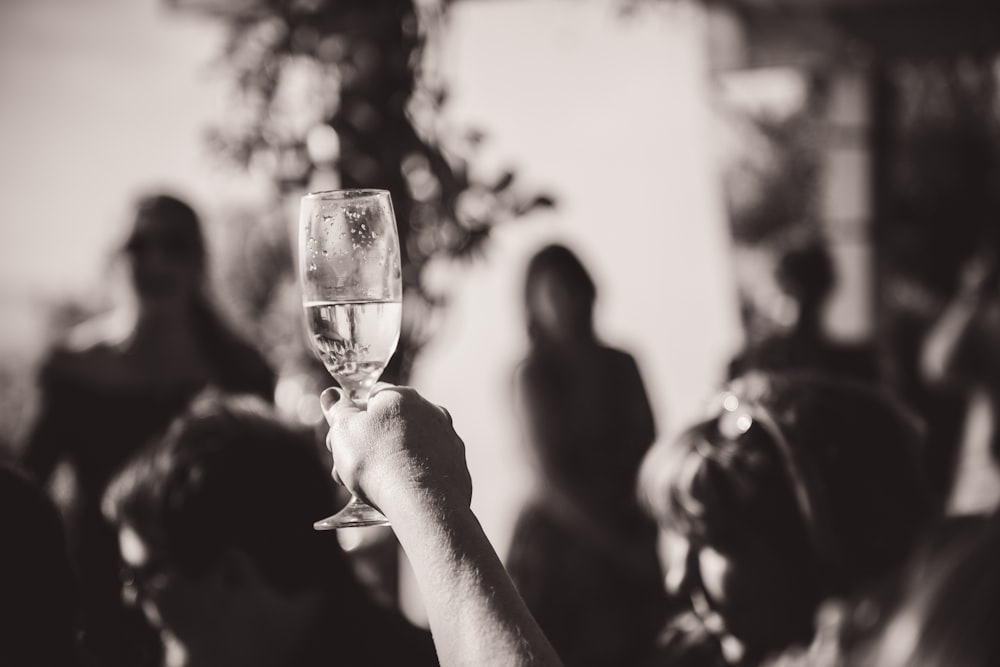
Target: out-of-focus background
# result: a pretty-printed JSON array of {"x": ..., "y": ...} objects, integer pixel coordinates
[
  {"x": 676, "y": 147},
  {"x": 608, "y": 114}
]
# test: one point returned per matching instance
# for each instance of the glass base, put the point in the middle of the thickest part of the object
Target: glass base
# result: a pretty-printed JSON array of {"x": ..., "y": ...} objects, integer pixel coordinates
[{"x": 355, "y": 514}]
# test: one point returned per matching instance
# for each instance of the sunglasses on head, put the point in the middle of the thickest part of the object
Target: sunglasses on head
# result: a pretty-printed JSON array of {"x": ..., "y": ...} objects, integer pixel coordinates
[{"x": 737, "y": 416}]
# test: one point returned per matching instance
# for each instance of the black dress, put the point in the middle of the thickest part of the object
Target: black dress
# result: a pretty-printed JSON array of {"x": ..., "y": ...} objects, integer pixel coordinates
[{"x": 583, "y": 555}]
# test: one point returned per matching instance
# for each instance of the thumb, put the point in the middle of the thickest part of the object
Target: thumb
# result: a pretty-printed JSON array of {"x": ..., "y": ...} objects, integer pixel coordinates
[
  {"x": 328, "y": 398},
  {"x": 334, "y": 400}
]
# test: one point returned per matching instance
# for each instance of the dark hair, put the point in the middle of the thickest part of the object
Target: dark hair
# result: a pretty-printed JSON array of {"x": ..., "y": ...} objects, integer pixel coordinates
[
  {"x": 240, "y": 368},
  {"x": 230, "y": 474},
  {"x": 854, "y": 457},
  {"x": 184, "y": 235},
  {"x": 806, "y": 273},
  {"x": 559, "y": 262},
  {"x": 38, "y": 594}
]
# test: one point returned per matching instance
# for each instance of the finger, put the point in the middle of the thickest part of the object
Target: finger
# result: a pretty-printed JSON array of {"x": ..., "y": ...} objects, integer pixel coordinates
[
  {"x": 380, "y": 386},
  {"x": 336, "y": 476}
]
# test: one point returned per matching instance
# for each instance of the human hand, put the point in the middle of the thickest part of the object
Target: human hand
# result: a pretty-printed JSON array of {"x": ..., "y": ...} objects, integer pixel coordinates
[
  {"x": 978, "y": 276},
  {"x": 400, "y": 453}
]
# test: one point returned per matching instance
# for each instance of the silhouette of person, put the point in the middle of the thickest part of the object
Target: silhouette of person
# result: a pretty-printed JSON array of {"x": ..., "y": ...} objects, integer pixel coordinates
[
  {"x": 38, "y": 595},
  {"x": 805, "y": 274},
  {"x": 947, "y": 592},
  {"x": 118, "y": 380},
  {"x": 215, "y": 530},
  {"x": 583, "y": 553}
]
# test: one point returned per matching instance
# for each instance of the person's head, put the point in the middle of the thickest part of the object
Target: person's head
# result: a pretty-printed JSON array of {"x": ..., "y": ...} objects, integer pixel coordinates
[
  {"x": 805, "y": 273},
  {"x": 559, "y": 296},
  {"x": 38, "y": 599},
  {"x": 166, "y": 251},
  {"x": 215, "y": 527},
  {"x": 794, "y": 488}
]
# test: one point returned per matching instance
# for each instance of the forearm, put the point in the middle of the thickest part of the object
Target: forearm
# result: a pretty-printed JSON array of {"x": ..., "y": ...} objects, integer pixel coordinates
[
  {"x": 404, "y": 455},
  {"x": 476, "y": 615},
  {"x": 945, "y": 356}
]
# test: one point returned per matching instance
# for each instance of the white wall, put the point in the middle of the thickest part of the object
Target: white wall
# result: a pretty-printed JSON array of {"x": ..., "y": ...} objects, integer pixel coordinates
[{"x": 611, "y": 114}]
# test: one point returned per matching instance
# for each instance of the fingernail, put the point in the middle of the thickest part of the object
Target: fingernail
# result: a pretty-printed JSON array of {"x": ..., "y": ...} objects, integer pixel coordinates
[{"x": 328, "y": 398}]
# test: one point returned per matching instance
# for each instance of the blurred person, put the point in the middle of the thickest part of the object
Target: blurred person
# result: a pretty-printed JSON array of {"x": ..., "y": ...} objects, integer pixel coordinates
[
  {"x": 876, "y": 629},
  {"x": 961, "y": 352},
  {"x": 942, "y": 406},
  {"x": 38, "y": 594},
  {"x": 948, "y": 608},
  {"x": 795, "y": 489},
  {"x": 583, "y": 552},
  {"x": 215, "y": 531},
  {"x": 798, "y": 488},
  {"x": 117, "y": 381},
  {"x": 806, "y": 275}
]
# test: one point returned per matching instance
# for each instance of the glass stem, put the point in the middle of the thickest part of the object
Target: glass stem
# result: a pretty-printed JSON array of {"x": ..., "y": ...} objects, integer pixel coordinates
[{"x": 358, "y": 396}]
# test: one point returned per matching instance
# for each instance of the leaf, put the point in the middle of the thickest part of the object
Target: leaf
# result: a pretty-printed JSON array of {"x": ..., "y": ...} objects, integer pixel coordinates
[
  {"x": 474, "y": 137},
  {"x": 541, "y": 201},
  {"x": 504, "y": 182}
]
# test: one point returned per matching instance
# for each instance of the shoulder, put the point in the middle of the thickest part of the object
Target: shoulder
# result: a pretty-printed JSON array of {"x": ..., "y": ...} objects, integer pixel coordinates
[
  {"x": 91, "y": 343},
  {"x": 618, "y": 361},
  {"x": 91, "y": 351},
  {"x": 70, "y": 362},
  {"x": 615, "y": 355},
  {"x": 107, "y": 331},
  {"x": 536, "y": 366}
]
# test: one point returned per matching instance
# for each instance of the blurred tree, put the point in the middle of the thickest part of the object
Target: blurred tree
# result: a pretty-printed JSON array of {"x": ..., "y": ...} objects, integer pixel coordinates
[
  {"x": 940, "y": 176},
  {"x": 346, "y": 93},
  {"x": 771, "y": 180}
]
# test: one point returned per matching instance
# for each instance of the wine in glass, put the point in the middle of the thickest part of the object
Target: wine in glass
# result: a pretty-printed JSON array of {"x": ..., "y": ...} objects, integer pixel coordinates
[{"x": 349, "y": 267}]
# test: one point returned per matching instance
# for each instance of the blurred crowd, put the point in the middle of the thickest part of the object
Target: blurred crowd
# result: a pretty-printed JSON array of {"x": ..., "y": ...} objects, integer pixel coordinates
[{"x": 161, "y": 509}]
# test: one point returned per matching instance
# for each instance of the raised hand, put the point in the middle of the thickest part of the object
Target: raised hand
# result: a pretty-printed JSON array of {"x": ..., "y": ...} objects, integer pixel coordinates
[{"x": 400, "y": 451}]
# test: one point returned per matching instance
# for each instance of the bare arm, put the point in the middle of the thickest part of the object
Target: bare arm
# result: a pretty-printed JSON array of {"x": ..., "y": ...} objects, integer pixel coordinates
[
  {"x": 403, "y": 455},
  {"x": 953, "y": 350},
  {"x": 940, "y": 360}
]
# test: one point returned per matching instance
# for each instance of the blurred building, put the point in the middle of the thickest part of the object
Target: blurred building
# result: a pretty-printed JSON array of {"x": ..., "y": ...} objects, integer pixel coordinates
[{"x": 858, "y": 59}]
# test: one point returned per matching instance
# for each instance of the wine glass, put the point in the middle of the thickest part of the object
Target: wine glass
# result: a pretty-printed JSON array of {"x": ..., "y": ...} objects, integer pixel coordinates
[{"x": 349, "y": 268}]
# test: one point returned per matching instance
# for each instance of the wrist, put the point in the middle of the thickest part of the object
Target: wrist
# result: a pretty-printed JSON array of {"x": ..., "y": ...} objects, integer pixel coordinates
[
  {"x": 406, "y": 487},
  {"x": 404, "y": 503}
]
